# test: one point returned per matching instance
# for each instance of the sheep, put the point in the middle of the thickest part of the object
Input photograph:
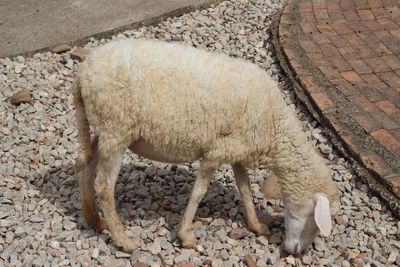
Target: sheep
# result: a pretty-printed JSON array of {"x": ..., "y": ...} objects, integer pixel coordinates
[{"x": 173, "y": 103}]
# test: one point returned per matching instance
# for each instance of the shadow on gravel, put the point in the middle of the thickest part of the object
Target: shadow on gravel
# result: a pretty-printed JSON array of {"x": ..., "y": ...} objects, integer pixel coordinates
[{"x": 148, "y": 198}]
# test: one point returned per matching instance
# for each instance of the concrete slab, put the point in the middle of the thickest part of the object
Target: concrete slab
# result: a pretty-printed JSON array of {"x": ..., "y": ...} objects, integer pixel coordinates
[{"x": 29, "y": 26}]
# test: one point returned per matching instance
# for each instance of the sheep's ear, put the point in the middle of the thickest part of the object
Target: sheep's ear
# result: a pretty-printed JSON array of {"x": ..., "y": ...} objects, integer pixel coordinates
[
  {"x": 271, "y": 188},
  {"x": 322, "y": 213}
]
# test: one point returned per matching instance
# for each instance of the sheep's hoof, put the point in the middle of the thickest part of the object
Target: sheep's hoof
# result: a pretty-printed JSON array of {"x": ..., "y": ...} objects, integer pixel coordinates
[
  {"x": 126, "y": 244},
  {"x": 188, "y": 239},
  {"x": 100, "y": 225},
  {"x": 260, "y": 229}
]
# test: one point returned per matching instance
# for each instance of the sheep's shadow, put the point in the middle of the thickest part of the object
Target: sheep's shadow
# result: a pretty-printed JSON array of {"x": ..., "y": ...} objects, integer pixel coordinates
[{"x": 146, "y": 196}]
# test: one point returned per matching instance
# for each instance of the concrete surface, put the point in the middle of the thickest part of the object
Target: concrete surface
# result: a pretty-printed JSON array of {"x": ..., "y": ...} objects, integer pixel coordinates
[{"x": 33, "y": 25}]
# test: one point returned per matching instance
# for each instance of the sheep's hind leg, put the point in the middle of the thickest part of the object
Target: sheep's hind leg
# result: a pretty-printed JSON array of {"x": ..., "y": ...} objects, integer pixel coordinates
[
  {"x": 86, "y": 175},
  {"x": 200, "y": 187},
  {"x": 243, "y": 184},
  {"x": 107, "y": 173}
]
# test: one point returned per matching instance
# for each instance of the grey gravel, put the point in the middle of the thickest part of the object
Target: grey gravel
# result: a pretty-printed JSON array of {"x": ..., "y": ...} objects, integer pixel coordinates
[{"x": 40, "y": 219}]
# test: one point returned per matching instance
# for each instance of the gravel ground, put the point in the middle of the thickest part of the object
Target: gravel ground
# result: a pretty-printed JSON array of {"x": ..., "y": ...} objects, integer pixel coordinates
[{"x": 40, "y": 219}]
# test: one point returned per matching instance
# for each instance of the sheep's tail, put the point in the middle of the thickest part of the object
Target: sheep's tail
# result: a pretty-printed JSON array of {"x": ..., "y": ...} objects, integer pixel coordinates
[{"x": 85, "y": 149}]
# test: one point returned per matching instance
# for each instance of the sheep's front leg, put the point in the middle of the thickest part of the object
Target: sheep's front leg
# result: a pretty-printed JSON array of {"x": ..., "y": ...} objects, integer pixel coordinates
[
  {"x": 243, "y": 184},
  {"x": 185, "y": 233},
  {"x": 107, "y": 173}
]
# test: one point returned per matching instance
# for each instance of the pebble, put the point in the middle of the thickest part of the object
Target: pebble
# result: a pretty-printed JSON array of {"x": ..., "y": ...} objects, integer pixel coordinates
[
  {"x": 61, "y": 48},
  {"x": 40, "y": 212},
  {"x": 23, "y": 96}
]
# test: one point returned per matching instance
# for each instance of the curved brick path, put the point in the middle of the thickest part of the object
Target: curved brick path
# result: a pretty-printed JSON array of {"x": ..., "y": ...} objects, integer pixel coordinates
[{"x": 344, "y": 56}]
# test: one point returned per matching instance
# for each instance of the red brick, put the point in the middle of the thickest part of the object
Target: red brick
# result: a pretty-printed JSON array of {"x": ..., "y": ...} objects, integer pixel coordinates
[
  {"x": 354, "y": 40},
  {"x": 352, "y": 77},
  {"x": 330, "y": 72},
  {"x": 387, "y": 122},
  {"x": 392, "y": 94},
  {"x": 307, "y": 81},
  {"x": 362, "y": 103},
  {"x": 366, "y": 14},
  {"x": 318, "y": 59},
  {"x": 387, "y": 23},
  {"x": 320, "y": 38},
  {"x": 317, "y": 5},
  {"x": 394, "y": 183},
  {"x": 389, "y": 40},
  {"x": 377, "y": 64},
  {"x": 380, "y": 49},
  {"x": 347, "y": 5},
  {"x": 341, "y": 28},
  {"x": 329, "y": 51},
  {"x": 349, "y": 52},
  {"x": 333, "y": 7},
  {"x": 395, "y": 33},
  {"x": 388, "y": 141},
  {"x": 396, "y": 133},
  {"x": 390, "y": 78},
  {"x": 309, "y": 28},
  {"x": 343, "y": 86},
  {"x": 369, "y": 92},
  {"x": 305, "y": 7},
  {"x": 351, "y": 15},
  {"x": 321, "y": 14},
  {"x": 372, "y": 25},
  {"x": 360, "y": 66},
  {"x": 309, "y": 46},
  {"x": 327, "y": 30},
  {"x": 357, "y": 26},
  {"x": 379, "y": 12},
  {"x": 388, "y": 107},
  {"x": 373, "y": 80},
  {"x": 361, "y": 4},
  {"x": 374, "y": 3},
  {"x": 337, "y": 17},
  {"x": 338, "y": 41},
  {"x": 366, "y": 52},
  {"x": 392, "y": 61},
  {"x": 368, "y": 37},
  {"x": 366, "y": 122},
  {"x": 307, "y": 17}
]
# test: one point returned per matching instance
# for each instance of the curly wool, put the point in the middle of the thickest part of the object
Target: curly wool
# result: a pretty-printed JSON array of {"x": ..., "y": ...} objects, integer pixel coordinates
[{"x": 190, "y": 104}]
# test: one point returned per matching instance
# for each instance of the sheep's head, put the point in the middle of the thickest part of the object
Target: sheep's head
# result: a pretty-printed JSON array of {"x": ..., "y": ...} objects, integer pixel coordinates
[{"x": 304, "y": 220}]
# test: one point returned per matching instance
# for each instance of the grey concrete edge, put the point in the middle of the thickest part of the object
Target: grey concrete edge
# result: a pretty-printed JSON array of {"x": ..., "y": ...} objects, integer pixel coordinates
[{"x": 107, "y": 34}]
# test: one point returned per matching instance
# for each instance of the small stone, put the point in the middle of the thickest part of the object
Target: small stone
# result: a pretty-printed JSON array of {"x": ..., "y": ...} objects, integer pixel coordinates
[
  {"x": 19, "y": 231},
  {"x": 18, "y": 68},
  {"x": 325, "y": 149},
  {"x": 61, "y": 48},
  {"x": 346, "y": 263},
  {"x": 262, "y": 240},
  {"x": 95, "y": 253},
  {"x": 54, "y": 244},
  {"x": 392, "y": 257},
  {"x": 216, "y": 263},
  {"x": 120, "y": 254},
  {"x": 23, "y": 96},
  {"x": 40, "y": 261},
  {"x": 290, "y": 260},
  {"x": 237, "y": 233},
  {"x": 188, "y": 264},
  {"x": 79, "y": 54},
  {"x": 306, "y": 259}
]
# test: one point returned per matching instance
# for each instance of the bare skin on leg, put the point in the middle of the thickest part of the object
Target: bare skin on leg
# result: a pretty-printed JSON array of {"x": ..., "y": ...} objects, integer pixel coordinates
[
  {"x": 200, "y": 187},
  {"x": 243, "y": 184}
]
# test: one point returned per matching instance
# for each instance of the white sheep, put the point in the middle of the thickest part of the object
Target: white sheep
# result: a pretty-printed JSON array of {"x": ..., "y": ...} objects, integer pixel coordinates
[{"x": 173, "y": 103}]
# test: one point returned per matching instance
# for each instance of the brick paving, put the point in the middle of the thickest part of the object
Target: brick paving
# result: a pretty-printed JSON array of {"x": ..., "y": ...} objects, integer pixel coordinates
[{"x": 344, "y": 55}]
